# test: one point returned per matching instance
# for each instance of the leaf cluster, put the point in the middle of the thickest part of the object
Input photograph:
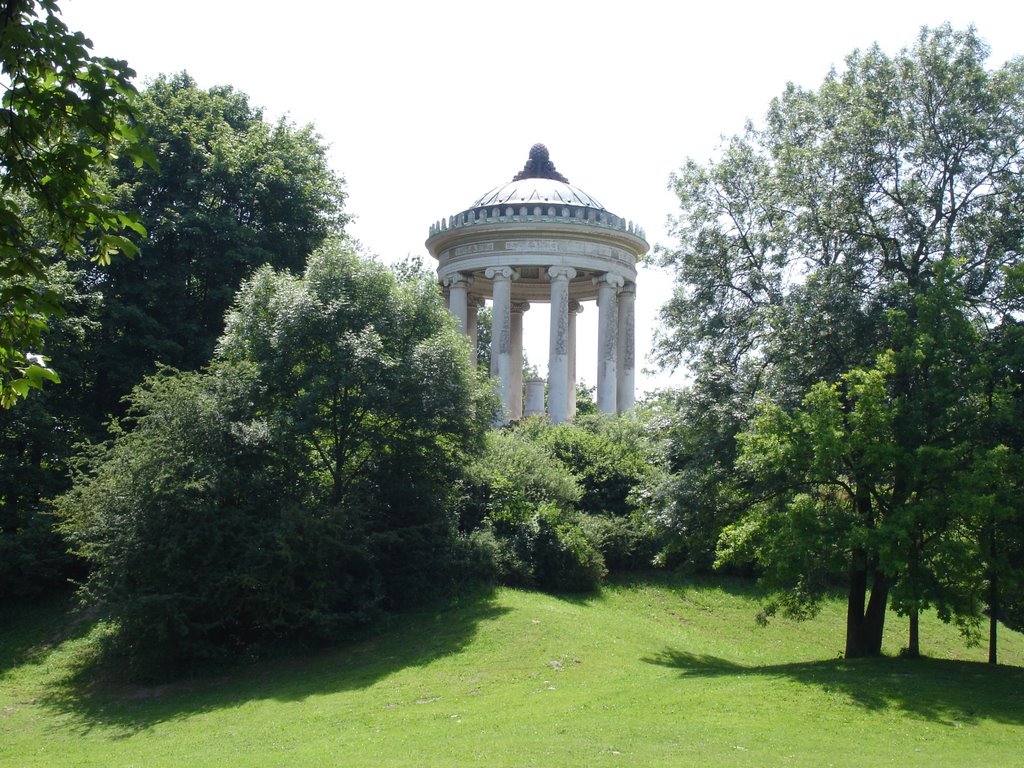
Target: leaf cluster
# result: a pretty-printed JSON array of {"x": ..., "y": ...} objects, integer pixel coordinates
[{"x": 65, "y": 116}]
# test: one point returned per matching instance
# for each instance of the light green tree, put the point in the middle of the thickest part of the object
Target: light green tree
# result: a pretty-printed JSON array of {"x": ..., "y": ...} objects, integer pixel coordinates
[{"x": 877, "y": 217}]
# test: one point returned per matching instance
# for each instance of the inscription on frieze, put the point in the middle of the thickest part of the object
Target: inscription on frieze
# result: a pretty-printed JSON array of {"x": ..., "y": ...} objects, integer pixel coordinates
[
  {"x": 531, "y": 245},
  {"x": 466, "y": 250}
]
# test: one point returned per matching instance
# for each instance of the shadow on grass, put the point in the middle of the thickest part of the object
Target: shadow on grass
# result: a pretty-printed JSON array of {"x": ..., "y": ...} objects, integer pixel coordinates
[
  {"x": 91, "y": 694},
  {"x": 31, "y": 629},
  {"x": 942, "y": 691}
]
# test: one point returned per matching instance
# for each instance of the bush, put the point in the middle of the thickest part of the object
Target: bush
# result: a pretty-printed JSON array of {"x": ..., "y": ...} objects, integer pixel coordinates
[
  {"x": 512, "y": 477},
  {"x": 627, "y": 543},
  {"x": 304, "y": 483},
  {"x": 565, "y": 558},
  {"x": 609, "y": 457}
]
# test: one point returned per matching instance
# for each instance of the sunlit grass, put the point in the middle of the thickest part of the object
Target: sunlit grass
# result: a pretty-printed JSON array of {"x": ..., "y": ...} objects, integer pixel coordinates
[{"x": 651, "y": 672}]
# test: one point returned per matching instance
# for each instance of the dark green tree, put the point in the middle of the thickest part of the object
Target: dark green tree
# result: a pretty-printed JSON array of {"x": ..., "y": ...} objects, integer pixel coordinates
[
  {"x": 866, "y": 219},
  {"x": 233, "y": 193},
  {"x": 65, "y": 117},
  {"x": 369, "y": 379},
  {"x": 38, "y": 437}
]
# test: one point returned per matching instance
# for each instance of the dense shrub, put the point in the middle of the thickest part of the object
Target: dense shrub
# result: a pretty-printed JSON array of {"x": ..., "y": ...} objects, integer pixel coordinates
[
  {"x": 305, "y": 482},
  {"x": 609, "y": 457},
  {"x": 627, "y": 543},
  {"x": 521, "y": 501},
  {"x": 511, "y": 477},
  {"x": 548, "y": 549},
  {"x": 565, "y": 558},
  {"x": 199, "y": 541}
]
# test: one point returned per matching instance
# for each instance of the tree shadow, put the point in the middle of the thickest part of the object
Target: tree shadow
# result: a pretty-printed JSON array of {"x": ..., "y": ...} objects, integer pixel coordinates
[
  {"x": 93, "y": 693},
  {"x": 31, "y": 629},
  {"x": 939, "y": 690}
]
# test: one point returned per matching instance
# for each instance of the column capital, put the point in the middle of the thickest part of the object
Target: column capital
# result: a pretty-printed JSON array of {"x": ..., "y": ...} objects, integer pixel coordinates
[
  {"x": 575, "y": 307},
  {"x": 615, "y": 281},
  {"x": 476, "y": 301},
  {"x": 457, "y": 280},
  {"x": 561, "y": 273},
  {"x": 500, "y": 273},
  {"x": 520, "y": 306},
  {"x": 628, "y": 287}
]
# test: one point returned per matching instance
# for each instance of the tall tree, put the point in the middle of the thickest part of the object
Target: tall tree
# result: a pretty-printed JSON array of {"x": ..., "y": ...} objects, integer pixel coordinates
[
  {"x": 233, "y": 193},
  {"x": 836, "y": 233},
  {"x": 65, "y": 116},
  {"x": 371, "y": 384}
]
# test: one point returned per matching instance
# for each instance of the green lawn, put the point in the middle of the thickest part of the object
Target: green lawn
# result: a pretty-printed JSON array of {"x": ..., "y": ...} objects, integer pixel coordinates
[{"x": 657, "y": 672}]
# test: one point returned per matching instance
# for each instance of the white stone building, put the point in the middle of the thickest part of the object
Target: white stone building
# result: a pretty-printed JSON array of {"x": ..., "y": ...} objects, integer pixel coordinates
[{"x": 538, "y": 239}]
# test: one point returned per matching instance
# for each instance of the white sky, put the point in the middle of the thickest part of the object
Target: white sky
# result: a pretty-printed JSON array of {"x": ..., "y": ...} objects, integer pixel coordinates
[{"x": 428, "y": 105}]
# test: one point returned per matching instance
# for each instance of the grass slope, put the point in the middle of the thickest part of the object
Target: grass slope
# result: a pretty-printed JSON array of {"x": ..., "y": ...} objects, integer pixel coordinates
[{"x": 656, "y": 672}]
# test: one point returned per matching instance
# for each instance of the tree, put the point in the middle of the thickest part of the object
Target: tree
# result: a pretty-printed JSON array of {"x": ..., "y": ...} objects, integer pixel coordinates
[
  {"x": 233, "y": 193},
  {"x": 37, "y": 440},
  {"x": 198, "y": 540},
  {"x": 65, "y": 117},
  {"x": 371, "y": 383},
  {"x": 303, "y": 483},
  {"x": 864, "y": 220}
]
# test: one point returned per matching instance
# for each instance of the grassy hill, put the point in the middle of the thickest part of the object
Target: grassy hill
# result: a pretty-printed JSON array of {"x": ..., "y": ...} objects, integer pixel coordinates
[{"x": 652, "y": 672}]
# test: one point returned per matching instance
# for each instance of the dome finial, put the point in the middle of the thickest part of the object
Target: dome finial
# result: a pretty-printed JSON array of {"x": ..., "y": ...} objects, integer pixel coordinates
[{"x": 539, "y": 166}]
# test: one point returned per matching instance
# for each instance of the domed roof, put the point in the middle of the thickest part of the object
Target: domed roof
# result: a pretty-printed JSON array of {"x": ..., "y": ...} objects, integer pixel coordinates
[
  {"x": 538, "y": 182},
  {"x": 537, "y": 191}
]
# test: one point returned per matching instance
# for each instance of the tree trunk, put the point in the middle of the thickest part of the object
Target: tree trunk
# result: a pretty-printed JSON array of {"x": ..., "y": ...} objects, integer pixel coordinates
[
  {"x": 993, "y": 616},
  {"x": 914, "y": 642},
  {"x": 874, "y": 616},
  {"x": 855, "y": 605}
]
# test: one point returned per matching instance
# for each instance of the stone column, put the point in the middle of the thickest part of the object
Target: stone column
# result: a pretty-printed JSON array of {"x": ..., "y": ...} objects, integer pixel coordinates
[
  {"x": 607, "y": 340},
  {"x": 534, "y": 397},
  {"x": 558, "y": 350},
  {"x": 501, "y": 333},
  {"x": 574, "y": 309},
  {"x": 458, "y": 298},
  {"x": 471, "y": 326},
  {"x": 625, "y": 395},
  {"x": 515, "y": 410}
]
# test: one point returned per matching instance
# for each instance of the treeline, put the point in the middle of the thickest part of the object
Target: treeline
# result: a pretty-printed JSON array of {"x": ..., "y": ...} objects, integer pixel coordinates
[{"x": 261, "y": 436}]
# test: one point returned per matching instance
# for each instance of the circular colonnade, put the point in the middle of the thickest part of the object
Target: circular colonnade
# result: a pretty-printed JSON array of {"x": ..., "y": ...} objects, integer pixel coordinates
[{"x": 538, "y": 239}]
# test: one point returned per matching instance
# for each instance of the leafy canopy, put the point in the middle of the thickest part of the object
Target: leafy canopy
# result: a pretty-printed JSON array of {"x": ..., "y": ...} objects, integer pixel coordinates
[
  {"x": 65, "y": 116},
  {"x": 869, "y": 233},
  {"x": 303, "y": 483}
]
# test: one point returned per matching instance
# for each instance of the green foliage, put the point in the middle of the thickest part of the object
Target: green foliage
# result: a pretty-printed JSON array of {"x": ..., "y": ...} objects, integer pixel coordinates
[
  {"x": 630, "y": 543},
  {"x": 67, "y": 116},
  {"x": 836, "y": 264},
  {"x": 525, "y": 500},
  {"x": 529, "y": 487},
  {"x": 512, "y": 477},
  {"x": 697, "y": 493},
  {"x": 233, "y": 193},
  {"x": 484, "y": 326},
  {"x": 547, "y": 549},
  {"x": 199, "y": 541},
  {"x": 304, "y": 482},
  {"x": 610, "y": 457},
  {"x": 36, "y": 441}
]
